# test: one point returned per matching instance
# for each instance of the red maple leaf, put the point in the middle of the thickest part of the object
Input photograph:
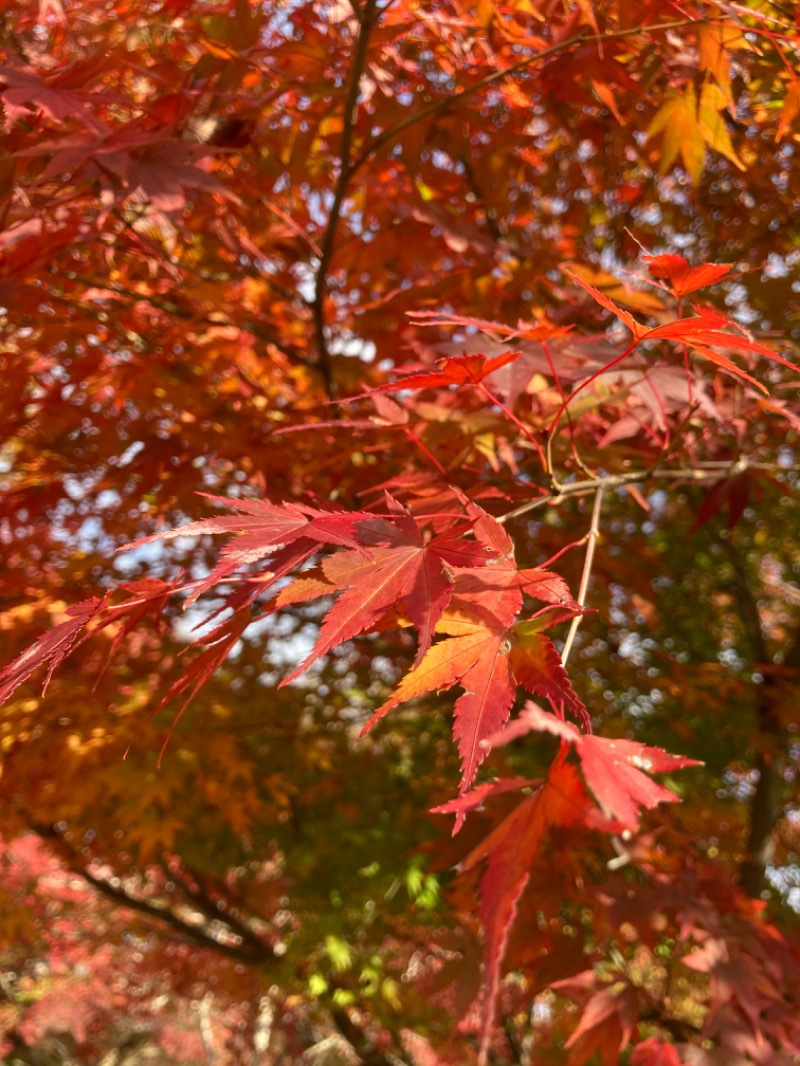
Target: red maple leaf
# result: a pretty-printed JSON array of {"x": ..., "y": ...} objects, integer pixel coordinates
[
  {"x": 23, "y": 91},
  {"x": 537, "y": 666},
  {"x": 607, "y": 1020},
  {"x": 395, "y": 566},
  {"x": 475, "y": 656},
  {"x": 263, "y": 529},
  {"x": 484, "y": 653},
  {"x": 218, "y": 645},
  {"x": 615, "y": 770},
  {"x": 453, "y": 370},
  {"x": 702, "y": 332},
  {"x": 654, "y": 1052},
  {"x": 683, "y": 278},
  {"x": 52, "y": 647},
  {"x": 509, "y": 851}
]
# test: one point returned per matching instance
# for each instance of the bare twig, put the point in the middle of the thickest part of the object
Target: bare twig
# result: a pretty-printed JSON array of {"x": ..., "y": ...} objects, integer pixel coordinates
[
  {"x": 594, "y": 533},
  {"x": 710, "y": 471}
]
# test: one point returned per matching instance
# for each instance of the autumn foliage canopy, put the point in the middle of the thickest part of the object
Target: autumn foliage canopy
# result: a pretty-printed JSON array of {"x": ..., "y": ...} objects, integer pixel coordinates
[{"x": 398, "y": 505}]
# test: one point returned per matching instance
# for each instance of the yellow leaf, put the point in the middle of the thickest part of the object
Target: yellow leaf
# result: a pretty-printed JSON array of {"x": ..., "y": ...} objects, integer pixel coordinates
[
  {"x": 607, "y": 96},
  {"x": 677, "y": 121},
  {"x": 425, "y": 191},
  {"x": 688, "y": 127},
  {"x": 588, "y": 15},
  {"x": 712, "y": 123},
  {"x": 390, "y": 990},
  {"x": 715, "y": 42}
]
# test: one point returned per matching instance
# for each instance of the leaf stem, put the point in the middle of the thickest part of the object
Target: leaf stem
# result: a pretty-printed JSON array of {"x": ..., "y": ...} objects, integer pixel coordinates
[
  {"x": 588, "y": 381},
  {"x": 513, "y": 418}
]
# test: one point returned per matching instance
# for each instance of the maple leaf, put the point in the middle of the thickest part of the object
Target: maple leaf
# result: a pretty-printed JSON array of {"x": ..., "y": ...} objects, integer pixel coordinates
[
  {"x": 698, "y": 332},
  {"x": 654, "y": 1052},
  {"x": 712, "y": 123},
  {"x": 454, "y": 370},
  {"x": 476, "y": 657},
  {"x": 406, "y": 571},
  {"x": 733, "y": 493},
  {"x": 509, "y": 851},
  {"x": 689, "y": 125},
  {"x": 218, "y": 645},
  {"x": 52, "y": 647},
  {"x": 131, "y": 161},
  {"x": 484, "y": 654},
  {"x": 606, "y": 1023},
  {"x": 612, "y": 770},
  {"x": 615, "y": 770},
  {"x": 24, "y": 90},
  {"x": 263, "y": 528},
  {"x": 616, "y": 290},
  {"x": 478, "y": 795},
  {"x": 715, "y": 42},
  {"x": 480, "y": 654},
  {"x": 681, "y": 277},
  {"x": 498, "y": 574},
  {"x": 676, "y": 119},
  {"x": 537, "y": 666},
  {"x": 790, "y": 109}
]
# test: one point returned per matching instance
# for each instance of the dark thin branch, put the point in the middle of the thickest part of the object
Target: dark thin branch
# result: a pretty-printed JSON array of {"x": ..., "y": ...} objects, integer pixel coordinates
[
  {"x": 442, "y": 105},
  {"x": 171, "y": 308},
  {"x": 765, "y": 805},
  {"x": 346, "y": 168},
  {"x": 365, "y": 1049},
  {"x": 257, "y": 953},
  {"x": 203, "y": 899},
  {"x": 163, "y": 914}
]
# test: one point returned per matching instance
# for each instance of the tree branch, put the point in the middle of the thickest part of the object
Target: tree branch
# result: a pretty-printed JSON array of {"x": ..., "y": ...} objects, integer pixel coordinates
[
  {"x": 256, "y": 953},
  {"x": 366, "y": 21},
  {"x": 442, "y": 105},
  {"x": 364, "y": 1048},
  {"x": 593, "y": 534},
  {"x": 208, "y": 900},
  {"x": 711, "y": 471},
  {"x": 765, "y": 805}
]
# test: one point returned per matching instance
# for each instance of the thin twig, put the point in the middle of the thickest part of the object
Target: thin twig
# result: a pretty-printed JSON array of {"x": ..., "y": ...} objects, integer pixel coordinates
[
  {"x": 442, "y": 105},
  {"x": 594, "y": 533},
  {"x": 346, "y": 168},
  {"x": 169, "y": 307},
  {"x": 710, "y": 471},
  {"x": 513, "y": 418},
  {"x": 253, "y": 952}
]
